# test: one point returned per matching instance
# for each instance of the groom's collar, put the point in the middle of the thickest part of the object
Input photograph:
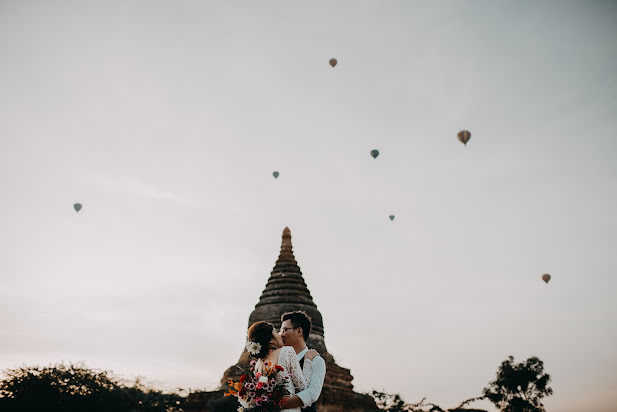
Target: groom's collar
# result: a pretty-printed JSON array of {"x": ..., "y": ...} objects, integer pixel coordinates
[{"x": 302, "y": 352}]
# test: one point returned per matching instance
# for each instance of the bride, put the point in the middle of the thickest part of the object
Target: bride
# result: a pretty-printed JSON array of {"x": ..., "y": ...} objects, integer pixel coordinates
[{"x": 273, "y": 351}]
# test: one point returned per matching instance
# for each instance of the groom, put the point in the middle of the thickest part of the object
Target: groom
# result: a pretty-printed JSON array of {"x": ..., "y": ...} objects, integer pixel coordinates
[{"x": 295, "y": 329}]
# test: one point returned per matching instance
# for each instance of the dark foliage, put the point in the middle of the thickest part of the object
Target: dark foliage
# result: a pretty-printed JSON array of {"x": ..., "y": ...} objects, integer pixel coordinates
[
  {"x": 394, "y": 403},
  {"x": 519, "y": 387},
  {"x": 75, "y": 388},
  {"x": 224, "y": 404}
]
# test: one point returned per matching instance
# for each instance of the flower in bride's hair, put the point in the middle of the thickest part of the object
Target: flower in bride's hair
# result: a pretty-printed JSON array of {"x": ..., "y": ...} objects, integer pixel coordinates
[{"x": 253, "y": 347}]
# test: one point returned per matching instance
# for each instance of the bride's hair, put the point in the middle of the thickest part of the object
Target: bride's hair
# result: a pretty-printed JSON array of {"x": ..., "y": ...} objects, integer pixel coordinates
[{"x": 261, "y": 332}]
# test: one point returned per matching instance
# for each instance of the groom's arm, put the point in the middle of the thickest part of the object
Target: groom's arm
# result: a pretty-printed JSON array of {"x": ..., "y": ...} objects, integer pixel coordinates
[{"x": 312, "y": 392}]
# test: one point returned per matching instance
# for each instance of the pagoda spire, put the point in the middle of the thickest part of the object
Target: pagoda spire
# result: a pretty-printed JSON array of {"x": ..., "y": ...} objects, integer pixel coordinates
[{"x": 287, "y": 254}]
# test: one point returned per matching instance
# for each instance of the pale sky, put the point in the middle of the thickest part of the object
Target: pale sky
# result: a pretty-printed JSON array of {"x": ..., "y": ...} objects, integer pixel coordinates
[{"x": 167, "y": 119}]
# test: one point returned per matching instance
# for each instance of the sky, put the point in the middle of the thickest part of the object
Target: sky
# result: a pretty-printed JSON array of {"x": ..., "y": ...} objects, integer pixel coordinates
[{"x": 165, "y": 120}]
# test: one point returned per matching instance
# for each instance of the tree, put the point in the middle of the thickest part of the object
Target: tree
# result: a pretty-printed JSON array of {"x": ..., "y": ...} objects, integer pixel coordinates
[
  {"x": 394, "y": 403},
  {"x": 390, "y": 403},
  {"x": 75, "y": 388},
  {"x": 519, "y": 387}
]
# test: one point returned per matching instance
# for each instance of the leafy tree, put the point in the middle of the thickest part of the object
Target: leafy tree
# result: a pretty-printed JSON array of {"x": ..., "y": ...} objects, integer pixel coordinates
[
  {"x": 389, "y": 402},
  {"x": 76, "y": 388},
  {"x": 519, "y": 387},
  {"x": 394, "y": 403}
]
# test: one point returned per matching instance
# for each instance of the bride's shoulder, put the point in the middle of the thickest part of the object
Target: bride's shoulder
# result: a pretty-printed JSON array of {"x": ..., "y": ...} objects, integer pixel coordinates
[
  {"x": 286, "y": 349},
  {"x": 288, "y": 353},
  {"x": 275, "y": 354}
]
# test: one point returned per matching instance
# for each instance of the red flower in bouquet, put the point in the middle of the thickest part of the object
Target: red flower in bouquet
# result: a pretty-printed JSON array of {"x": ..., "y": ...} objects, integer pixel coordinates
[{"x": 260, "y": 391}]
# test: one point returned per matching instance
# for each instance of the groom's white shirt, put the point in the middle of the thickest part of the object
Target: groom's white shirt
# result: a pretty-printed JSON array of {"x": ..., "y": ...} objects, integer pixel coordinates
[{"x": 312, "y": 392}]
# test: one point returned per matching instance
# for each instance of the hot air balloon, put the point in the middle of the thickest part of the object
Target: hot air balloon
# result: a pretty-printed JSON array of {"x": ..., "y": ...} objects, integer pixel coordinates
[
  {"x": 375, "y": 153},
  {"x": 333, "y": 62},
  {"x": 546, "y": 277},
  {"x": 77, "y": 207},
  {"x": 464, "y": 136},
  {"x": 391, "y": 217},
  {"x": 275, "y": 174}
]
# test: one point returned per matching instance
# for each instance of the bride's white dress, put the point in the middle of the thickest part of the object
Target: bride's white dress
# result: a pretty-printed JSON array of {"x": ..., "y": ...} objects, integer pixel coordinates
[{"x": 299, "y": 377}]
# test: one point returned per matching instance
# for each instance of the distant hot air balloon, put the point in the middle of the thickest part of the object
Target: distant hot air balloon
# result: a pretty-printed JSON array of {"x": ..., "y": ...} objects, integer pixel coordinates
[
  {"x": 391, "y": 217},
  {"x": 546, "y": 277},
  {"x": 375, "y": 153},
  {"x": 333, "y": 62},
  {"x": 77, "y": 207},
  {"x": 464, "y": 136},
  {"x": 275, "y": 174}
]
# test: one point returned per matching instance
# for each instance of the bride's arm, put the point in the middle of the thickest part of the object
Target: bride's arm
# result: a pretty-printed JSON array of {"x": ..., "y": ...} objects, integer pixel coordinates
[
  {"x": 298, "y": 379},
  {"x": 307, "y": 370}
]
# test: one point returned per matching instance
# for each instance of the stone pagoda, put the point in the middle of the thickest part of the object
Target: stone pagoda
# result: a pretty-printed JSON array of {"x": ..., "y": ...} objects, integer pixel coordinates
[{"x": 286, "y": 291}]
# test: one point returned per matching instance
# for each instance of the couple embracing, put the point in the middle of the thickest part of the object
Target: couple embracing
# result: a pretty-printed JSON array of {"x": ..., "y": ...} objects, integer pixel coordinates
[{"x": 287, "y": 348}]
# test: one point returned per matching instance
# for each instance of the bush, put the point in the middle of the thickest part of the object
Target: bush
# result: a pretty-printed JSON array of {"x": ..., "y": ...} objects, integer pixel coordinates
[{"x": 75, "y": 388}]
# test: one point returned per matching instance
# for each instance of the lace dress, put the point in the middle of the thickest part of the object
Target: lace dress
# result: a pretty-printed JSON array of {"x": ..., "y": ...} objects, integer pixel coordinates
[{"x": 299, "y": 378}]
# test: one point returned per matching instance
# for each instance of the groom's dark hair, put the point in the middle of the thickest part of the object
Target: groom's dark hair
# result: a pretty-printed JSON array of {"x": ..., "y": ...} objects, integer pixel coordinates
[{"x": 299, "y": 319}]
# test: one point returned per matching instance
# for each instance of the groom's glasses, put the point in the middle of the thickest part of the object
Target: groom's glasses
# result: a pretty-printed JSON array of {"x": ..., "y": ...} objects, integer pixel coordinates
[{"x": 283, "y": 330}]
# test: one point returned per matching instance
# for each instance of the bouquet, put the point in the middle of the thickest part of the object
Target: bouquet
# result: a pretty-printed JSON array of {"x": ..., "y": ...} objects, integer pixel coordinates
[{"x": 260, "y": 391}]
